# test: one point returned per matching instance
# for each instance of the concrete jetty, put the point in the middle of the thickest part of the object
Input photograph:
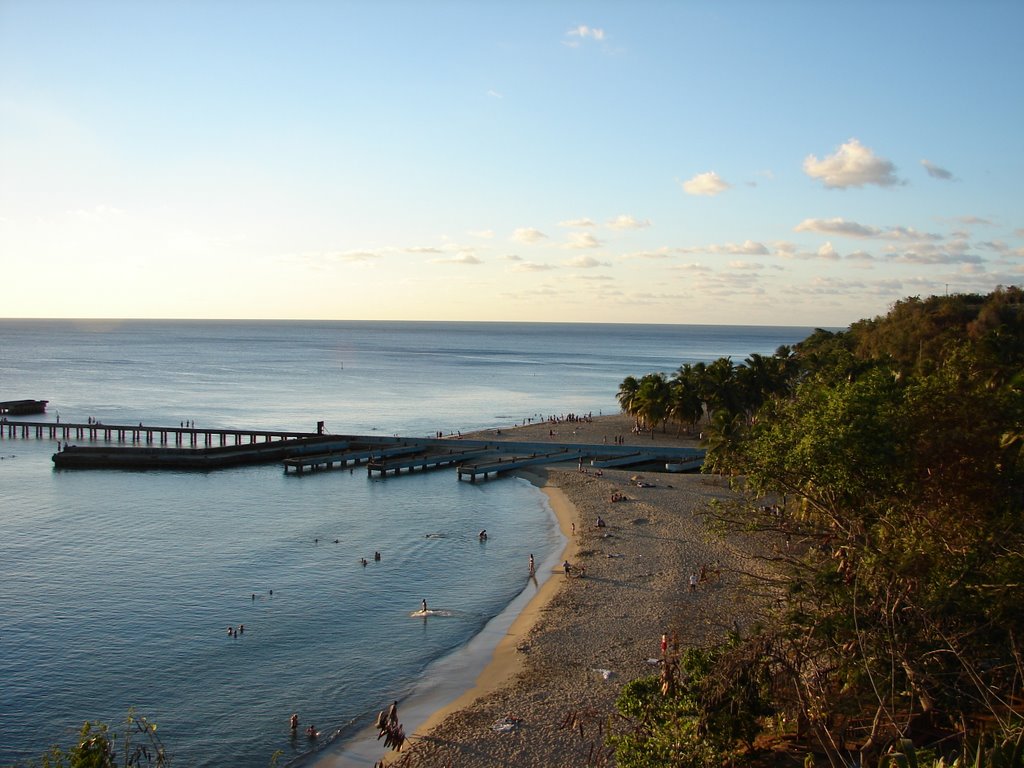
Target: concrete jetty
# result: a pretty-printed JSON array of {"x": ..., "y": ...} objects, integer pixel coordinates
[{"x": 204, "y": 449}]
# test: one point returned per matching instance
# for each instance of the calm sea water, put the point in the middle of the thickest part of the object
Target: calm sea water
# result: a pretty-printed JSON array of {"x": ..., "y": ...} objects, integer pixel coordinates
[{"x": 117, "y": 588}]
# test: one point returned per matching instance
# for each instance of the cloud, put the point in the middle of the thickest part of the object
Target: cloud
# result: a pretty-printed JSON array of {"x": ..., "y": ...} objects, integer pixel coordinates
[
  {"x": 844, "y": 228},
  {"x": 486, "y": 234},
  {"x": 658, "y": 253},
  {"x": 528, "y": 235},
  {"x": 585, "y": 262},
  {"x": 582, "y": 240},
  {"x": 462, "y": 258},
  {"x": 423, "y": 249},
  {"x": 972, "y": 221},
  {"x": 532, "y": 266},
  {"x": 836, "y": 226},
  {"x": 358, "y": 256},
  {"x": 512, "y": 257},
  {"x": 936, "y": 172},
  {"x": 852, "y": 165},
  {"x": 584, "y": 222},
  {"x": 624, "y": 221},
  {"x": 955, "y": 252},
  {"x": 494, "y": 94},
  {"x": 708, "y": 184},
  {"x": 828, "y": 252},
  {"x": 861, "y": 259},
  {"x": 581, "y": 32},
  {"x": 746, "y": 265},
  {"x": 746, "y": 248}
]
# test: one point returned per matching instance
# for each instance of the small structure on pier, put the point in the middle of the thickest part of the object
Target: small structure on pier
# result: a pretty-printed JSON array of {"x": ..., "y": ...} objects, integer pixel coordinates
[{"x": 22, "y": 407}]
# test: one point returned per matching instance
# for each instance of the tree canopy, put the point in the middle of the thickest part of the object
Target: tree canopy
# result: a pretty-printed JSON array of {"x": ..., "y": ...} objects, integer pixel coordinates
[{"x": 886, "y": 462}]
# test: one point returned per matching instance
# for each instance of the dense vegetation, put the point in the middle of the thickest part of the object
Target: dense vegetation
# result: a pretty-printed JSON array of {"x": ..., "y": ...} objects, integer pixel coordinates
[{"x": 885, "y": 462}]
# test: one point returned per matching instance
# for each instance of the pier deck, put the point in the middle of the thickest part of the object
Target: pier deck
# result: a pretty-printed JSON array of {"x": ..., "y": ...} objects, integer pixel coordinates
[{"x": 161, "y": 447}]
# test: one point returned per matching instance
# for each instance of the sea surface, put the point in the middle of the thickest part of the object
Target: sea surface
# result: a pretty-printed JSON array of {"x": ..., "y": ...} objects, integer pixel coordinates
[{"x": 117, "y": 588}]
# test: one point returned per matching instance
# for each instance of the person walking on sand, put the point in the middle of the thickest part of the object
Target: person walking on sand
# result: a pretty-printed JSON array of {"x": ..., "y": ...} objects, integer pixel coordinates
[
  {"x": 566, "y": 567},
  {"x": 693, "y": 582}
]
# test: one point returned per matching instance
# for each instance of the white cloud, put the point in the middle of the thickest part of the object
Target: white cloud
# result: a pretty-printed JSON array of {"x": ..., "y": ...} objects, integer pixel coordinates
[
  {"x": 582, "y": 32},
  {"x": 485, "y": 234},
  {"x": 860, "y": 258},
  {"x": 624, "y": 221},
  {"x": 746, "y": 265},
  {"x": 828, "y": 251},
  {"x": 708, "y": 184},
  {"x": 844, "y": 228},
  {"x": 582, "y": 240},
  {"x": 532, "y": 266},
  {"x": 936, "y": 172},
  {"x": 837, "y": 226},
  {"x": 462, "y": 258},
  {"x": 852, "y": 165},
  {"x": 423, "y": 249},
  {"x": 528, "y": 235},
  {"x": 657, "y": 253},
  {"x": 494, "y": 94},
  {"x": 584, "y": 222},
  {"x": 746, "y": 248},
  {"x": 585, "y": 262}
]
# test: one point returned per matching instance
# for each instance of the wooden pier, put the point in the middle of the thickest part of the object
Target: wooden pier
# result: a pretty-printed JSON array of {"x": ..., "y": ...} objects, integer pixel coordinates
[{"x": 128, "y": 433}]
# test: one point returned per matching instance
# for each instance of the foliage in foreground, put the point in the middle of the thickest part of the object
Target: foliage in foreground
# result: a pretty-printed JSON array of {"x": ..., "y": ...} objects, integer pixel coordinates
[
  {"x": 98, "y": 747},
  {"x": 706, "y": 704},
  {"x": 886, "y": 464}
]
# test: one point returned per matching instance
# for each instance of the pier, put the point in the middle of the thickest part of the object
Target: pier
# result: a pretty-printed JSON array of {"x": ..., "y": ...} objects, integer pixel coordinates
[
  {"x": 95, "y": 431},
  {"x": 146, "y": 447}
]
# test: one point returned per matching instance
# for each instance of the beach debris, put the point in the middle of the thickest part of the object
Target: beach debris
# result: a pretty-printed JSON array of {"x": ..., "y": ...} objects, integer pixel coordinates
[
  {"x": 506, "y": 724},
  {"x": 606, "y": 674}
]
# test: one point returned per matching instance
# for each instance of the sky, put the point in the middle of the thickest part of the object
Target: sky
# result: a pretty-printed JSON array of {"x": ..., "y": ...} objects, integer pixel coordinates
[{"x": 764, "y": 163}]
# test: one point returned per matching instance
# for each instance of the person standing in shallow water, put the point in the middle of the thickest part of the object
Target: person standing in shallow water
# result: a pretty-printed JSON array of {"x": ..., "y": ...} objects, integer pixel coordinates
[
  {"x": 532, "y": 569},
  {"x": 423, "y": 603}
]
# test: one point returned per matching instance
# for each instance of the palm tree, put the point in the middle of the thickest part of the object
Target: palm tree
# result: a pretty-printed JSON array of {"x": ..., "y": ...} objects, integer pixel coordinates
[
  {"x": 654, "y": 398},
  {"x": 686, "y": 406},
  {"x": 627, "y": 396}
]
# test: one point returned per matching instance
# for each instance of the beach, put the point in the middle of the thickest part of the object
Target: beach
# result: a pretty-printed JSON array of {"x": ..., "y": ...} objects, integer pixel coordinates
[{"x": 547, "y": 696}]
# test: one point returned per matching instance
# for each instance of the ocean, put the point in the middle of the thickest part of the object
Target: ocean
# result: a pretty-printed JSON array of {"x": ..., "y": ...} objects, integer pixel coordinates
[{"x": 117, "y": 588}]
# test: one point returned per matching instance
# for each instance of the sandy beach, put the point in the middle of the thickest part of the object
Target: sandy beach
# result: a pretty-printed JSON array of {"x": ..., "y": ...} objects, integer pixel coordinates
[{"x": 546, "y": 697}]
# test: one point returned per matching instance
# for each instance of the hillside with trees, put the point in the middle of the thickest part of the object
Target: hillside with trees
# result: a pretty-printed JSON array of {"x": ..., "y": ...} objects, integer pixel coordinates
[{"x": 885, "y": 462}]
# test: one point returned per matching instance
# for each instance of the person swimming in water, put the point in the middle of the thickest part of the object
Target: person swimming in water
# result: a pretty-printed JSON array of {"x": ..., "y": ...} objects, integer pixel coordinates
[{"x": 483, "y": 535}]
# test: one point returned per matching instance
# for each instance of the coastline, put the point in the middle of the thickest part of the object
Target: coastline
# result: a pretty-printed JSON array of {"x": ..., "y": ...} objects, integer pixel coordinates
[
  {"x": 433, "y": 699},
  {"x": 547, "y": 692}
]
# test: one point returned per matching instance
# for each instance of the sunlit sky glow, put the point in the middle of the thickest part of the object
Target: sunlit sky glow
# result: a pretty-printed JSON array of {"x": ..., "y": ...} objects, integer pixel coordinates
[{"x": 782, "y": 163}]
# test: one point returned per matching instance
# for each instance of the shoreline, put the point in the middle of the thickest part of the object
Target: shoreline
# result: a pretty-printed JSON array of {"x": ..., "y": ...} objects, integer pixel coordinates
[
  {"x": 506, "y": 661},
  {"x": 594, "y": 634},
  {"x": 545, "y": 694},
  {"x": 501, "y": 663}
]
